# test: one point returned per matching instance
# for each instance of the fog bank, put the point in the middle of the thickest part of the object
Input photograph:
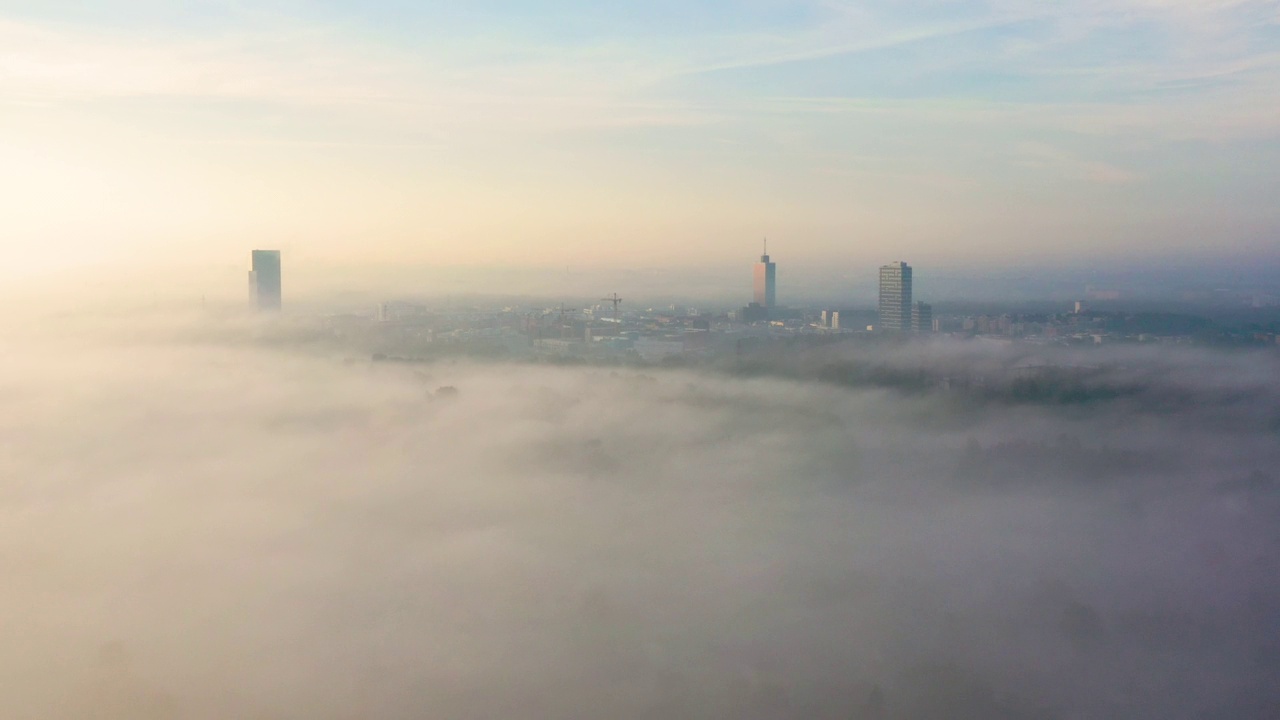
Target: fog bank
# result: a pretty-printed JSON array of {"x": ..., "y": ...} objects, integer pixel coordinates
[{"x": 207, "y": 530}]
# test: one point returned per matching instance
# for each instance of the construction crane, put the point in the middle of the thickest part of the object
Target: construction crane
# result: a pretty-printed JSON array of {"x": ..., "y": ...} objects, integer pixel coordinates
[{"x": 616, "y": 301}]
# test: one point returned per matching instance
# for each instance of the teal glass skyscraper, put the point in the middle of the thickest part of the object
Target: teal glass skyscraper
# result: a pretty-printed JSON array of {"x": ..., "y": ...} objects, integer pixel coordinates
[{"x": 264, "y": 280}]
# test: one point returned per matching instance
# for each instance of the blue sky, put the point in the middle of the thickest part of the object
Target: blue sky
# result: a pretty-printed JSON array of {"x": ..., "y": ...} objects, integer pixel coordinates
[{"x": 572, "y": 132}]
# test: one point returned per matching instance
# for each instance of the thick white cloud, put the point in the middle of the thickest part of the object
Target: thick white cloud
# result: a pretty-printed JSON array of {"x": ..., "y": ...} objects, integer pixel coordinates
[{"x": 210, "y": 530}]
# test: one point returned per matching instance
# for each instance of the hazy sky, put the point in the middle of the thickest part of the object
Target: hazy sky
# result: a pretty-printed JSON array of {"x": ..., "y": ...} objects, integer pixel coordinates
[{"x": 663, "y": 133}]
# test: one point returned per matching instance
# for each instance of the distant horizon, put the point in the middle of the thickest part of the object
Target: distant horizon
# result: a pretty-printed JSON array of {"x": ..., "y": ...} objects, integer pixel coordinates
[{"x": 852, "y": 284}]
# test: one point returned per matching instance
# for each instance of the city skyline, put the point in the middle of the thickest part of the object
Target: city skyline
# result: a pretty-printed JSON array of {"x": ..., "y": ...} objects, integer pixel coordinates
[
  {"x": 507, "y": 134},
  {"x": 895, "y": 293},
  {"x": 855, "y": 285}
]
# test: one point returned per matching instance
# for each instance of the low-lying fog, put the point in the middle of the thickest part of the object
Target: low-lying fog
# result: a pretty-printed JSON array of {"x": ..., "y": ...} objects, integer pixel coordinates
[{"x": 204, "y": 531}]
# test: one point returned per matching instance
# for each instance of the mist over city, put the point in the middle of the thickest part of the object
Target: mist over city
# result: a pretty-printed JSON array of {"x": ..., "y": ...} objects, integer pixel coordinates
[
  {"x": 731, "y": 360},
  {"x": 202, "y": 523}
]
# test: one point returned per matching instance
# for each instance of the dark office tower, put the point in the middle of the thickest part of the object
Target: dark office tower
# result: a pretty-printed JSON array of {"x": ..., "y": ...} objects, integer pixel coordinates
[
  {"x": 264, "y": 280},
  {"x": 766, "y": 280},
  {"x": 922, "y": 317},
  {"x": 895, "y": 297}
]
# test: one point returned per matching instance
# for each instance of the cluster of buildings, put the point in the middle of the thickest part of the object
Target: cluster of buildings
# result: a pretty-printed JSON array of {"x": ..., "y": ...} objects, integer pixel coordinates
[
  {"x": 897, "y": 313},
  {"x": 407, "y": 330},
  {"x": 411, "y": 330}
]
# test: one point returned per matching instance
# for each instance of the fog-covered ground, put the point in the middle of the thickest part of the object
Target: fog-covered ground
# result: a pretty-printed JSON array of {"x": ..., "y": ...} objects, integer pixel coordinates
[{"x": 209, "y": 530}]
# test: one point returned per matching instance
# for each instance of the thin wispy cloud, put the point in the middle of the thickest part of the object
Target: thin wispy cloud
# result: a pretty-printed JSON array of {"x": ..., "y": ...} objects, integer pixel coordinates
[
  {"x": 318, "y": 67},
  {"x": 636, "y": 102},
  {"x": 308, "y": 65},
  {"x": 802, "y": 48},
  {"x": 610, "y": 83},
  {"x": 1069, "y": 166}
]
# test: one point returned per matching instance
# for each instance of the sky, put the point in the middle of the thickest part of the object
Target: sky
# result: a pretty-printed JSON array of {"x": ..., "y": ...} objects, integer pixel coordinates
[{"x": 575, "y": 134}]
